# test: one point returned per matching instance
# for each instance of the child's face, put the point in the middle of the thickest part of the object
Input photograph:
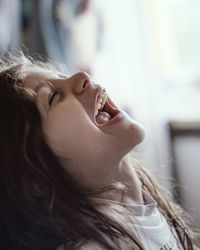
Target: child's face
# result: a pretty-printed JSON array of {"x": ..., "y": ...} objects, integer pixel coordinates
[{"x": 91, "y": 153}]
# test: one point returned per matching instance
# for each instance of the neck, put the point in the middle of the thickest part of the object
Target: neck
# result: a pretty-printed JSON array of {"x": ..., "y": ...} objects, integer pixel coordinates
[{"x": 126, "y": 175}]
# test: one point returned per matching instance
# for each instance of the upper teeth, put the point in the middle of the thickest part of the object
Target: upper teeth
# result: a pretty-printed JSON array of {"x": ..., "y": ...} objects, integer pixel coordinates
[{"x": 101, "y": 100}]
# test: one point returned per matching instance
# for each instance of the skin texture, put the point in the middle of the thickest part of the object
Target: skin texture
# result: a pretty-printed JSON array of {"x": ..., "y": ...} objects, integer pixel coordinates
[{"x": 94, "y": 155}]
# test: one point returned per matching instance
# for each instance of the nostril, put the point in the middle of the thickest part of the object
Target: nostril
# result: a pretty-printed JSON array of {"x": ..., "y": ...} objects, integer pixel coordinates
[{"x": 85, "y": 83}]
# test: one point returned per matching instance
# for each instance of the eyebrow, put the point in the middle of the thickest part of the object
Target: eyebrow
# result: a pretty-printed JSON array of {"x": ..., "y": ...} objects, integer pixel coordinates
[
  {"x": 48, "y": 82},
  {"x": 41, "y": 84},
  {"x": 38, "y": 87}
]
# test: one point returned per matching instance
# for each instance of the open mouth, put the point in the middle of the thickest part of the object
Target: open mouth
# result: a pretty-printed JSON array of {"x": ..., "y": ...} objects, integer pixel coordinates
[{"x": 105, "y": 110}]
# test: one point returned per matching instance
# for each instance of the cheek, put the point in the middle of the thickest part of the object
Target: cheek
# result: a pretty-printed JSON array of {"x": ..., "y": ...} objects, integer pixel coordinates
[{"x": 70, "y": 131}]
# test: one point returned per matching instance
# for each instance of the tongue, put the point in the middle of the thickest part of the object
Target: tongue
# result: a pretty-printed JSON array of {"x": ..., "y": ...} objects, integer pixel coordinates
[{"x": 102, "y": 117}]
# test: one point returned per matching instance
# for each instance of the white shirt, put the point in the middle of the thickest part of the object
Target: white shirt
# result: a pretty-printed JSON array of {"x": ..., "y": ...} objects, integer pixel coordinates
[{"x": 152, "y": 227}]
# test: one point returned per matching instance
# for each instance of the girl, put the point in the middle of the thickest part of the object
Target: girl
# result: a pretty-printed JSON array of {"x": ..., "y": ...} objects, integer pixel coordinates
[{"x": 67, "y": 181}]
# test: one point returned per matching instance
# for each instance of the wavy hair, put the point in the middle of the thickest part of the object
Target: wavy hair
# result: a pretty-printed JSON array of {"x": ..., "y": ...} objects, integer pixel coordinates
[{"x": 42, "y": 207}]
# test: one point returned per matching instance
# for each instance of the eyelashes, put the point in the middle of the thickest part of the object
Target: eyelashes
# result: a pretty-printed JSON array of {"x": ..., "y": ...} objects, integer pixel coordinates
[
  {"x": 51, "y": 86},
  {"x": 52, "y": 97}
]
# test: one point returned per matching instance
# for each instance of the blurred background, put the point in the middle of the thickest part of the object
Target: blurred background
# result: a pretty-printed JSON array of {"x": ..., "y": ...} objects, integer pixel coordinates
[{"x": 145, "y": 53}]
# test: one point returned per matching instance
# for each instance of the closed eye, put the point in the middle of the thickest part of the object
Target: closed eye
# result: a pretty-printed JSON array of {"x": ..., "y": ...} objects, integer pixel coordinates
[{"x": 52, "y": 97}]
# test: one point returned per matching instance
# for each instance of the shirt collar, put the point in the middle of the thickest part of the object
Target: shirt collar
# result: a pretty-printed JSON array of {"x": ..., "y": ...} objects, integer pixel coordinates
[{"x": 138, "y": 210}]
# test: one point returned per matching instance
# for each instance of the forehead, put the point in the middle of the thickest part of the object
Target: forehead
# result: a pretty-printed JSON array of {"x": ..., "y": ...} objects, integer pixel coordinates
[{"x": 32, "y": 76}]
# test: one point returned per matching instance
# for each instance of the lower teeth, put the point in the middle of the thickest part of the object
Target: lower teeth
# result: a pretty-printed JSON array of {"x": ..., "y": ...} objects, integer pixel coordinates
[{"x": 103, "y": 117}]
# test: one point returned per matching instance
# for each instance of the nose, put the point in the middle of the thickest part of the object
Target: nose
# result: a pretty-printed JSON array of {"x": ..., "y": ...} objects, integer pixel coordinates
[{"x": 80, "y": 82}]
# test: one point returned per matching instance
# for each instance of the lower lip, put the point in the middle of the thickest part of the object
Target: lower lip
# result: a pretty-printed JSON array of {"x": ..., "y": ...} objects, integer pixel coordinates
[{"x": 119, "y": 117}]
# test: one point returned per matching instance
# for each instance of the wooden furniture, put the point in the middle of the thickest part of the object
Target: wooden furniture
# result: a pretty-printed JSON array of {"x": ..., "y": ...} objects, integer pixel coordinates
[{"x": 177, "y": 129}]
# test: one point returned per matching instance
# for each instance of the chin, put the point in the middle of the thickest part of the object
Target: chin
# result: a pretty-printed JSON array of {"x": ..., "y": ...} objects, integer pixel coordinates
[
  {"x": 136, "y": 138},
  {"x": 141, "y": 133},
  {"x": 136, "y": 132}
]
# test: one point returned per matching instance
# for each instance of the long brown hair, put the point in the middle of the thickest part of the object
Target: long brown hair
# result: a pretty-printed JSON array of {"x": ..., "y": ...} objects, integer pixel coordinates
[{"x": 42, "y": 207}]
